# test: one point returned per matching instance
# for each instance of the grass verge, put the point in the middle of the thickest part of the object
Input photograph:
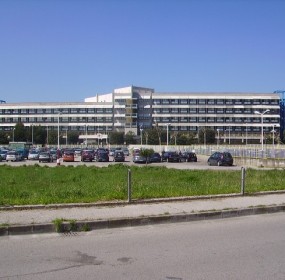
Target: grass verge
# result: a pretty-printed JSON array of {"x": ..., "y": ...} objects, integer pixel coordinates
[{"x": 31, "y": 185}]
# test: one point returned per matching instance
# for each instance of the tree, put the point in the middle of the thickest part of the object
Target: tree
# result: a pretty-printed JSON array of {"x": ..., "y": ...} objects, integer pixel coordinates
[
  {"x": 130, "y": 138},
  {"x": 73, "y": 137},
  {"x": 39, "y": 135},
  {"x": 116, "y": 138},
  {"x": 146, "y": 153},
  {"x": 20, "y": 133},
  {"x": 4, "y": 138},
  {"x": 206, "y": 135}
]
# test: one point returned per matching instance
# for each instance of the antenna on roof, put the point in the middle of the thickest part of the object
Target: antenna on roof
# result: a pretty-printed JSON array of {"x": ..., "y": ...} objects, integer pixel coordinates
[{"x": 2, "y": 101}]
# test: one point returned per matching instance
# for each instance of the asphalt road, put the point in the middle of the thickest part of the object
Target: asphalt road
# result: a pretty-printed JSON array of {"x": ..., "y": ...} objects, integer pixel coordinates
[
  {"x": 251, "y": 247},
  {"x": 201, "y": 164}
]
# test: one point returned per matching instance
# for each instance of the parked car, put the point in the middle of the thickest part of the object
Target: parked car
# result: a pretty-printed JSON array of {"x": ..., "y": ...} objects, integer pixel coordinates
[
  {"x": 119, "y": 156},
  {"x": 139, "y": 159},
  {"x": 220, "y": 158},
  {"x": 112, "y": 151},
  {"x": 68, "y": 155},
  {"x": 33, "y": 155},
  {"x": 87, "y": 155},
  {"x": 13, "y": 156},
  {"x": 45, "y": 157},
  {"x": 102, "y": 156},
  {"x": 171, "y": 157},
  {"x": 188, "y": 157},
  {"x": 155, "y": 157},
  {"x": 53, "y": 154},
  {"x": 126, "y": 151},
  {"x": 3, "y": 154},
  {"x": 77, "y": 152}
]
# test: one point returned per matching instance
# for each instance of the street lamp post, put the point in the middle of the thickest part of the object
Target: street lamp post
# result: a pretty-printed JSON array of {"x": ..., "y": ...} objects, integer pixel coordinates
[
  {"x": 167, "y": 130},
  {"x": 47, "y": 135},
  {"x": 86, "y": 135},
  {"x": 273, "y": 134},
  {"x": 229, "y": 135},
  {"x": 58, "y": 114},
  {"x": 66, "y": 136},
  {"x": 261, "y": 115},
  {"x": 33, "y": 134},
  {"x": 141, "y": 130},
  {"x": 13, "y": 134},
  {"x": 218, "y": 140},
  {"x": 246, "y": 134}
]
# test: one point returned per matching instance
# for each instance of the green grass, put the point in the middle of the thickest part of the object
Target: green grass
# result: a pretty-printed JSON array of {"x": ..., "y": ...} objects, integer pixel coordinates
[{"x": 25, "y": 185}]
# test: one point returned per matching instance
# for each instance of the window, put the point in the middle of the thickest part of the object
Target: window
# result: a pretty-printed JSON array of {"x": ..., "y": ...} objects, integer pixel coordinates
[
  {"x": 229, "y": 110},
  {"x": 90, "y": 110},
  {"x": 192, "y": 110},
  {"x": 165, "y": 111},
  {"x": 211, "y": 101},
  {"x": 183, "y": 101},
  {"x": 192, "y": 120},
  {"x": 202, "y": 101},
  {"x": 192, "y": 101},
  {"x": 73, "y": 111},
  {"x": 183, "y": 111},
  {"x": 238, "y": 102}
]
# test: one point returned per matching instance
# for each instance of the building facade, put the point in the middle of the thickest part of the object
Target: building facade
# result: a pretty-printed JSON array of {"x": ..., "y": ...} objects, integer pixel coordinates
[{"x": 235, "y": 116}]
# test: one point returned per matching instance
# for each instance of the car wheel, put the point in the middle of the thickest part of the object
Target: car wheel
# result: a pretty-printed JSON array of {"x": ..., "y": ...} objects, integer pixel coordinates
[{"x": 209, "y": 163}]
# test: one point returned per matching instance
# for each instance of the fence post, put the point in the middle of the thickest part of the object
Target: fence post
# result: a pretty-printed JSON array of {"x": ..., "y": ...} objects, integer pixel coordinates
[
  {"x": 242, "y": 180},
  {"x": 129, "y": 186}
]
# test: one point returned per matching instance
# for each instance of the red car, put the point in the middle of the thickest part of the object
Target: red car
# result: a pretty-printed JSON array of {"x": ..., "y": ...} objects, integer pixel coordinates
[
  {"x": 68, "y": 156},
  {"x": 87, "y": 155}
]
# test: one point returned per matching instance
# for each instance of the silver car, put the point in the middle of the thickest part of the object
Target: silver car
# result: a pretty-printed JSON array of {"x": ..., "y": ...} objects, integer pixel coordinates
[
  {"x": 33, "y": 155},
  {"x": 45, "y": 157},
  {"x": 13, "y": 156}
]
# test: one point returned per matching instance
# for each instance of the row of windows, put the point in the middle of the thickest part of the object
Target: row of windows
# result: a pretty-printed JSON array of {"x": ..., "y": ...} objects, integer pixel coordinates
[
  {"x": 209, "y": 111},
  {"x": 217, "y": 120},
  {"x": 223, "y": 131},
  {"x": 95, "y": 129},
  {"x": 55, "y": 120},
  {"x": 56, "y": 111},
  {"x": 215, "y": 101}
]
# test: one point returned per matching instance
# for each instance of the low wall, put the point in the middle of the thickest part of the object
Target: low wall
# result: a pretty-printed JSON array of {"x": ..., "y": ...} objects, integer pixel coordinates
[{"x": 260, "y": 162}]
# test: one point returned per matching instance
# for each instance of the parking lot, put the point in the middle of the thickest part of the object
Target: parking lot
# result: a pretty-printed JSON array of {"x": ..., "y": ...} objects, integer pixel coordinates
[{"x": 200, "y": 164}]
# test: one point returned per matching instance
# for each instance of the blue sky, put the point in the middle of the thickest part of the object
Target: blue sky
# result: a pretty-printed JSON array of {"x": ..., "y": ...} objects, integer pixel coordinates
[{"x": 64, "y": 51}]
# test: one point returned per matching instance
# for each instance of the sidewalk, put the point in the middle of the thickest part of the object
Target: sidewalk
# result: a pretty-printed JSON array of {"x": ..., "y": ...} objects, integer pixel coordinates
[{"x": 17, "y": 220}]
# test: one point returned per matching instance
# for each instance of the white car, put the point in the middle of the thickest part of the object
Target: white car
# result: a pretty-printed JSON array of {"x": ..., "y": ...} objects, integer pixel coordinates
[
  {"x": 33, "y": 155},
  {"x": 13, "y": 156}
]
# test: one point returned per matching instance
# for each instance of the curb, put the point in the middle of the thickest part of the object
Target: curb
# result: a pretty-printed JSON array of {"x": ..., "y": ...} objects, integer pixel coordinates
[{"x": 141, "y": 221}]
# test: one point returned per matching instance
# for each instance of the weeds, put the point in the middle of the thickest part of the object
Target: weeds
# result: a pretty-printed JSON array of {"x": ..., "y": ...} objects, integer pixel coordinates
[{"x": 24, "y": 185}]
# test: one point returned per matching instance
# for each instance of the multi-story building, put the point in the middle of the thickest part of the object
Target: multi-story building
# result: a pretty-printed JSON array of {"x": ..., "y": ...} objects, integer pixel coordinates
[{"x": 238, "y": 115}]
